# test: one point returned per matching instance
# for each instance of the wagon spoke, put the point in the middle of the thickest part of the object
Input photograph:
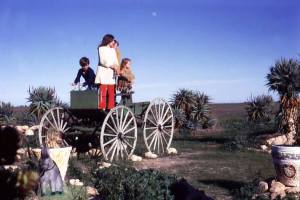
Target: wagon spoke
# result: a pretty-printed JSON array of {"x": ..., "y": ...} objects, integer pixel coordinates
[
  {"x": 110, "y": 135},
  {"x": 164, "y": 139},
  {"x": 125, "y": 120},
  {"x": 154, "y": 116},
  {"x": 50, "y": 122},
  {"x": 151, "y": 121},
  {"x": 129, "y": 130},
  {"x": 166, "y": 133},
  {"x": 151, "y": 134},
  {"x": 161, "y": 142},
  {"x": 130, "y": 137},
  {"x": 155, "y": 141},
  {"x": 117, "y": 119},
  {"x": 167, "y": 119},
  {"x": 109, "y": 142},
  {"x": 121, "y": 118},
  {"x": 117, "y": 148},
  {"x": 113, "y": 153},
  {"x": 128, "y": 123},
  {"x": 114, "y": 123},
  {"x": 162, "y": 112},
  {"x": 128, "y": 143},
  {"x": 158, "y": 141},
  {"x": 152, "y": 140},
  {"x": 58, "y": 118},
  {"x": 111, "y": 147},
  {"x": 54, "y": 119},
  {"x": 165, "y": 114},
  {"x": 150, "y": 128},
  {"x": 125, "y": 149},
  {"x": 112, "y": 129}
]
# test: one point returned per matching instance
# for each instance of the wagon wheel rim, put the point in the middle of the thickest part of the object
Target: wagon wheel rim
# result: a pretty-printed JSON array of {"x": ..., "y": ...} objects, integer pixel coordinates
[
  {"x": 118, "y": 134},
  {"x": 54, "y": 120},
  {"x": 158, "y": 126}
]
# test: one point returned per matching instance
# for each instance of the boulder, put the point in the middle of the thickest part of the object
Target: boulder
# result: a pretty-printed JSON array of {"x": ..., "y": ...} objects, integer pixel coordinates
[
  {"x": 277, "y": 187},
  {"x": 91, "y": 192},
  {"x": 172, "y": 151},
  {"x": 150, "y": 155},
  {"x": 278, "y": 140},
  {"x": 292, "y": 190},
  {"x": 263, "y": 186},
  {"x": 264, "y": 147},
  {"x": 75, "y": 182},
  {"x": 135, "y": 158}
]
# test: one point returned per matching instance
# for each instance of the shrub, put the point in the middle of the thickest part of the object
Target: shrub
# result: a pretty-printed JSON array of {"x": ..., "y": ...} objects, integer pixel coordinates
[
  {"x": 6, "y": 113},
  {"x": 259, "y": 108},
  {"x": 127, "y": 183},
  {"x": 192, "y": 110}
]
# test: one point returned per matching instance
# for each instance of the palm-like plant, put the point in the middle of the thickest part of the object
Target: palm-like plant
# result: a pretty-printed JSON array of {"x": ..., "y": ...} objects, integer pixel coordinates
[
  {"x": 184, "y": 99},
  {"x": 284, "y": 78},
  {"x": 41, "y": 99},
  {"x": 259, "y": 108}
]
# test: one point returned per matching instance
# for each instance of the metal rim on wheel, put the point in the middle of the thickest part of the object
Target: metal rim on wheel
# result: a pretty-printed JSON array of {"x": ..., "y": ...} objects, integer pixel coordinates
[
  {"x": 54, "y": 120},
  {"x": 158, "y": 126},
  {"x": 118, "y": 134}
]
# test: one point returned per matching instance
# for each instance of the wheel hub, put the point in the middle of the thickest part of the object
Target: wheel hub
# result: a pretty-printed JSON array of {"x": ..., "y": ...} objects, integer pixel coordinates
[
  {"x": 120, "y": 136},
  {"x": 160, "y": 127}
]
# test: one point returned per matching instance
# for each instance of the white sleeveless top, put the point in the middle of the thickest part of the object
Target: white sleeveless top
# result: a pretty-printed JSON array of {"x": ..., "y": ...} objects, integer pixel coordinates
[{"x": 104, "y": 74}]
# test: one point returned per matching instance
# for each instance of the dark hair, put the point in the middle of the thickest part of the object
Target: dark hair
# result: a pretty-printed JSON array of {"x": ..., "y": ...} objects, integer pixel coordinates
[
  {"x": 124, "y": 62},
  {"x": 84, "y": 61},
  {"x": 108, "y": 38},
  {"x": 117, "y": 42}
]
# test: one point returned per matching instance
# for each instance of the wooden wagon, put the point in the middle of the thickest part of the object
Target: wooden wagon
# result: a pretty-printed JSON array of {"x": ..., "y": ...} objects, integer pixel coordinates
[{"x": 116, "y": 130}]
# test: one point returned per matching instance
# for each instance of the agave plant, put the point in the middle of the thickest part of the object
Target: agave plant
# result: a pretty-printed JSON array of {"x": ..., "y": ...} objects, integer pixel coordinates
[
  {"x": 41, "y": 99},
  {"x": 284, "y": 78},
  {"x": 184, "y": 99},
  {"x": 259, "y": 108}
]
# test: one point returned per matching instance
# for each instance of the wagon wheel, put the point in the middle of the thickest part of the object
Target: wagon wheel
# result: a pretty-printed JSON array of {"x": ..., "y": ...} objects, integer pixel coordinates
[
  {"x": 118, "y": 134},
  {"x": 158, "y": 126},
  {"x": 53, "y": 125}
]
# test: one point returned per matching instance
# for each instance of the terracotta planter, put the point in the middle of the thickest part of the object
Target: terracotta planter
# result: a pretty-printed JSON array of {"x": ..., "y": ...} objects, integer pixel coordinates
[
  {"x": 60, "y": 156},
  {"x": 286, "y": 161}
]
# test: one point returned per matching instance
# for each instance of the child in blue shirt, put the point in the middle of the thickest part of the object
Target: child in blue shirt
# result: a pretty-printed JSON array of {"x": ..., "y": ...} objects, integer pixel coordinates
[{"x": 87, "y": 73}]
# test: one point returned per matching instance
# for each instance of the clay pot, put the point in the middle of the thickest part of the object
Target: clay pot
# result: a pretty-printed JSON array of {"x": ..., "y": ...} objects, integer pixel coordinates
[{"x": 286, "y": 161}]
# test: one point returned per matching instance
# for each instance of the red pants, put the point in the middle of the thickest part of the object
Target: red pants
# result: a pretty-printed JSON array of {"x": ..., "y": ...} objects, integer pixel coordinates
[{"x": 104, "y": 89}]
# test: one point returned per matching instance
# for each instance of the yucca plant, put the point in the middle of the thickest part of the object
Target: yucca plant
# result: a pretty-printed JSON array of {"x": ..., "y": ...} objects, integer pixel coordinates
[
  {"x": 41, "y": 99},
  {"x": 184, "y": 99},
  {"x": 259, "y": 108},
  {"x": 179, "y": 116},
  {"x": 284, "y": 78}
]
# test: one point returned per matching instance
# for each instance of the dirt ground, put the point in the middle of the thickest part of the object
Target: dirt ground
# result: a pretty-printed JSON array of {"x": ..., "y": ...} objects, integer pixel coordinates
[{"x": 208, "y": 167}]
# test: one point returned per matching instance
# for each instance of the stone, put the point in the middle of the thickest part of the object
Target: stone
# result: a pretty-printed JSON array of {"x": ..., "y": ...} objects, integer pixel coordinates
[
  {"x": 91, "y": 192},
  {"x": 263, "y": 147},
  {"x": 150, "y": 155},
  {"x": 22, "y": 129},
  {"x": 277, "y": 187},
  {"x": 135, "y": 158},
  {"x": 281, "y": 194},
  {"x": 172, "y": 151},
  {"x": 279, "y": 140},
  {"x": 292, "y": 190},
  {"x": 263, "y": 186},
  {"x": 75, "y": 182}
]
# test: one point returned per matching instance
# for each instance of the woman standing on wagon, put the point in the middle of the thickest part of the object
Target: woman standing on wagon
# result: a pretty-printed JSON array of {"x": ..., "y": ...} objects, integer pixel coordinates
[{"x": 107, "y": 68}]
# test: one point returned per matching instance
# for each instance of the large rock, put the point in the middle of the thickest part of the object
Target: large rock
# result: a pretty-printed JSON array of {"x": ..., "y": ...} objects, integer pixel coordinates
[
  {"x": 91, "y": 192},
  {"x": 172, "y": 151},
  {"x": 279, "y": 140},
  {"x": 150, "y": 155},
  {"x": 135, "y": 158},
  {"x": 263, "y": 186},
  {"x": 277, "y": 187}
]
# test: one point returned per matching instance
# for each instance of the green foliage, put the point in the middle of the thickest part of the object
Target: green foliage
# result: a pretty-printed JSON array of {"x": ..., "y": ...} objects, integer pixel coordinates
[
  {"x": 78, "y": 193},
  {"x": 192, "y": 110},
  {"x": 82, "y": 168},
  {"x": 259, "y": 108},
  {"x": 127, "y": 183},
  {"x": 284, "y": 77},
  {"x": 6, "y": 113},
  {"x": 42, "y": 99},
  {"x": 243, "y": 134}
]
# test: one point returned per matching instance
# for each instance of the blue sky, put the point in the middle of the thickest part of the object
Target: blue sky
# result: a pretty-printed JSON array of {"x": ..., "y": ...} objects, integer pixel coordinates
[{"x": 221, "y": 47}]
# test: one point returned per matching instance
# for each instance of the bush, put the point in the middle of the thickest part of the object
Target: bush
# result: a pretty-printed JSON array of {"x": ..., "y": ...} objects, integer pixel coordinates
[
  {"x": 259, "y": 108},
  {"x": 127, "y": 183},
  {"x": 191, "y": 110}
]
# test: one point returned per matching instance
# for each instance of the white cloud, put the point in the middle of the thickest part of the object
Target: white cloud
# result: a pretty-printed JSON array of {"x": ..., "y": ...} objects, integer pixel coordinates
[{"x": 154, "y": 14}]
